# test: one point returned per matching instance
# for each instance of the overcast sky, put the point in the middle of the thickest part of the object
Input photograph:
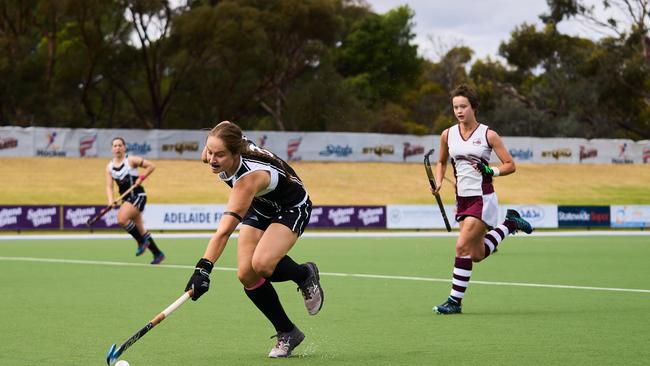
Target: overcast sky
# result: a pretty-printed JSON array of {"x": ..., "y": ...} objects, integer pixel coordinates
[{"x": 479, "y": 24}]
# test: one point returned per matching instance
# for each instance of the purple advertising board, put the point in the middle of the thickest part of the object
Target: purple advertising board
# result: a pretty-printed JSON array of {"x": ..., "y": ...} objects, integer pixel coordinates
[
  {"x": 348, "y": 217},
  {"x": 30, "y": 218},
  {"x": 75, "y": 217}
]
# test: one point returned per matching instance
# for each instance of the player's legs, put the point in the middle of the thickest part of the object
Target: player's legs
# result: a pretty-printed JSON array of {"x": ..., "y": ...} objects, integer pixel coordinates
[
  {"x": 274, "y": 244},
  {"x": 260, "y": 291},
  {"x": 468, "y": 247},
  {"x": 147, "y": 242},
  {"x": 126, "y": 218}
]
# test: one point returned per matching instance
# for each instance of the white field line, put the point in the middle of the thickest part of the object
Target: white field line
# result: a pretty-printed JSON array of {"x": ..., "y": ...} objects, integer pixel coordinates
[
  {"x": 358, "y": 275},
  {"x": 332, "y": 234}
]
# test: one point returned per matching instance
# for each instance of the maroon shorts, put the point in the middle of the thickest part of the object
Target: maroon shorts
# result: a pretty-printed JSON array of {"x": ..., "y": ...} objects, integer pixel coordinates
[{"x": 484, "y": 208}]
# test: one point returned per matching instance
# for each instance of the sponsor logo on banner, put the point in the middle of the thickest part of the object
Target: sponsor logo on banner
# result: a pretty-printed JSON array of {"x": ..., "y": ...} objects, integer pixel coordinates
[
  {"x": 42, "y": 216},
  {"x": 316, "y": 214},
  {"x": 86, "y": 145},
  {"x": 348, "y": 216},
  {"x": 292, "y": 148},
  {"x": 583, "y": 216},
  {"x": 9, "y": 216},
  {"x": 630, "y": 216},
  {"x": 379, "y": 150},
  {"x": 191, "y": 217},
  {"x": 52, "y": 148},
  {"x": 646, "y": 155},
  {"x": 586, "y": 153},
  {"x": 369, "y": 216},
  {"x": 557, "y": 153},
  {"x": 622, "y": 158},
  {"x": 340, "y": 216},
  {"x": 79, "y": 216},
  {"x": 75, "y": 217},
  {"x": 410, "y": 150},
  {"x": 181, "y": 147},
  {"x": 138, "y": 148},
  {"x": 29, "y": 217},
  {"x": 521, "y": 154},
  {"x": 337, "y": 150},
  {"x": 8, "y": 143},
  {"x": 532, "y": 213}
]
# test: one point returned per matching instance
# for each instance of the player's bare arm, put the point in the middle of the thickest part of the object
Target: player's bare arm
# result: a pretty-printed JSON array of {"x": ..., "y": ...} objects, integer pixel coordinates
[
  {"x": 109, "y": 184},
  {"x": 147, "y": 166},
  {"x": 238, "y": 203},
  {"x": 507, "y": 162},
  {"x": 441, "y": 166}
]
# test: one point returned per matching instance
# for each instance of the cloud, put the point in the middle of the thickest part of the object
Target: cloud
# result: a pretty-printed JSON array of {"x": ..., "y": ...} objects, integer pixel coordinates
[{"x": 480, "y": 25}]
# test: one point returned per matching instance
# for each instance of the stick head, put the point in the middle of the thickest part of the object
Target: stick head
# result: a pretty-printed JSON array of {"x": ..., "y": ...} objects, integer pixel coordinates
[
  {"x": 111, "y": 356},
  {"x": 427, "y": 168}
]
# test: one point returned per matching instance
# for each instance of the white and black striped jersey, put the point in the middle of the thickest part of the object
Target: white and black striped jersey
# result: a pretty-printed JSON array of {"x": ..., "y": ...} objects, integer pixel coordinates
[
  {"x": 125, "y": 176},
  {"x": 282, "y": 192}
]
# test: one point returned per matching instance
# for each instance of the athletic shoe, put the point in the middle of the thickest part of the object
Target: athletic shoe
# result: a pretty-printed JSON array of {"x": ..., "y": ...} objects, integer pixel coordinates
[
  {"x": 142, "y": 247},
  {"x": 158, "y": 258},
  {"x": 520, "y": 223},
  {"x": 286, "y": 343},
  {"x": 448, "y": 307},
  {"x": 311, "y": 290}
]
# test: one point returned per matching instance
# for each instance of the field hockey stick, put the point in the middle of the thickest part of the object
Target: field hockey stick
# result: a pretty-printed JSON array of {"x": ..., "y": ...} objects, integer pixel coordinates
[
  {"x": 105, "y": 210},
  {"x": 114, "y": 353},
  {"x": 432, "y": 182}
]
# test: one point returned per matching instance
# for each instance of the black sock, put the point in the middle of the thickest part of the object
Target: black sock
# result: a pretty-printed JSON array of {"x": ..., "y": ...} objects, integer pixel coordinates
[
  {"x": 152, "y": 244},
  {"x": 287, "y": 269},
  {"x": 133, "y": 230},
  {"x": 267, "y": 300}
]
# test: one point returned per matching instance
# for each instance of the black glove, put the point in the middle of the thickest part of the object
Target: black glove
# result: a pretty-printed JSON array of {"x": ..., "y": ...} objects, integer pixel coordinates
[
  {"x": 484, "y": 169},
  {"x": 200, "y": 280}
]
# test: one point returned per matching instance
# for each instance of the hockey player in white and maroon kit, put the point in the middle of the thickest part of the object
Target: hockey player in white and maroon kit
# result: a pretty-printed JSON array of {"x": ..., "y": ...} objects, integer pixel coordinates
[{"x": 470, "y": 144}]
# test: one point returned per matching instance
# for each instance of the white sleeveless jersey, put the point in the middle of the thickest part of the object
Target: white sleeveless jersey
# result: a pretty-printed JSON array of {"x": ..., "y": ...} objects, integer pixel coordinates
[{"x": 464, "y": 153}]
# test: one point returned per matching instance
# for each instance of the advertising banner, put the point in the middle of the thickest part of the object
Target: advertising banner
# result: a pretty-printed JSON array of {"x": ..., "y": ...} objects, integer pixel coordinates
[
  {"x": 539, "y": 216},
  {"x": 419, "y": 217},
  {"x": 556, "y": 150},
  {"x": 630, "y": 216},
  {"x": 583, "y": 216},
  {"x": 309, "y": 146},
  {"x": 521, "y": 149},
  {"x": 82, "y": 143},
  {"x": 29, "y": 218},
  {"x": 348, "y": 217},
  {"x": 50, "y": 142},
  {"x": 16, "y": 141},
  {"x": 181, "y": 144},
  {"x": 142, "y": 143},
  {"x": 75, "y": 217},
  {"x": 182, "y": 217}
]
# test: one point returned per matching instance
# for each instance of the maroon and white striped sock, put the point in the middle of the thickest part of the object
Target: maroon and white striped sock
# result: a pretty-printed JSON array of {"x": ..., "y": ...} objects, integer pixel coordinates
[
  {"x": 494, "y": 237},
  {"x": 460, "y": 278}
]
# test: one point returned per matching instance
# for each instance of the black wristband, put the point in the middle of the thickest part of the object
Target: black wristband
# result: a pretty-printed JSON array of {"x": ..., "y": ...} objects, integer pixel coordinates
[
  {"x": 233, "y": 214},
  {"x": 205, "y": 264}
]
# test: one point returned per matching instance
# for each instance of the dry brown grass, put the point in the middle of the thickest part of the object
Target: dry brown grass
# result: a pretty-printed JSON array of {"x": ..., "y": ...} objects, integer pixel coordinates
[{"x": 81, "y": 181}]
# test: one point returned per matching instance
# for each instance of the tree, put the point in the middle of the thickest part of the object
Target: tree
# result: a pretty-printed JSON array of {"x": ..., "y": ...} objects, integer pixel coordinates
[{"x": 378, "y": 58}]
